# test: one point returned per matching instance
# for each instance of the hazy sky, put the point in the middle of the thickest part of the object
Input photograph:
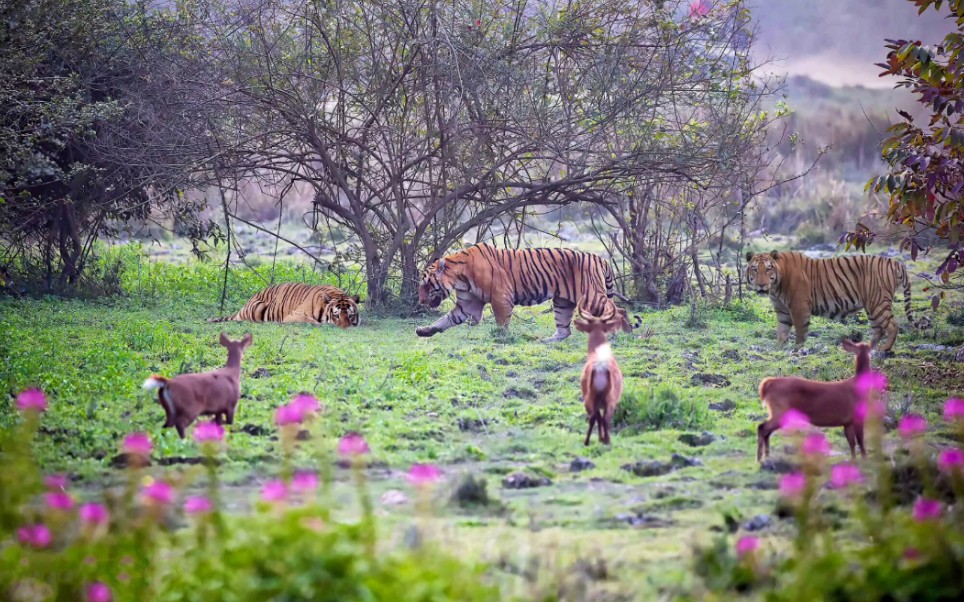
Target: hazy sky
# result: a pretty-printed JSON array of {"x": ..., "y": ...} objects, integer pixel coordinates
[{"x": 838, "y": 41}]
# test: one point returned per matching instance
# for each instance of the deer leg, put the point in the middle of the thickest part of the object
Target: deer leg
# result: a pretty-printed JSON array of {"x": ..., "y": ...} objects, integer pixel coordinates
[
  {"x": 592, "y": 423},
  {"x": 859, "y": 433},
  {"x": 763, "y": 433},
  {"x": 851, "y": 440}
]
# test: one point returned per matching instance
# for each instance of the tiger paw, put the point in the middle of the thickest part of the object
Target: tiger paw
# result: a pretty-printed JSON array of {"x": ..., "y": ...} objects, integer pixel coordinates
[{"x": 425, "y": 331}]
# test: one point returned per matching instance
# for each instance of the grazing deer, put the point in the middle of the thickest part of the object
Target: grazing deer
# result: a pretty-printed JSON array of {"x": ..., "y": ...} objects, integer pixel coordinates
[
  {"x": 602, "y": 381},
  {"x": 214, "y": 393},
  {"x": 824, "y": 404}
]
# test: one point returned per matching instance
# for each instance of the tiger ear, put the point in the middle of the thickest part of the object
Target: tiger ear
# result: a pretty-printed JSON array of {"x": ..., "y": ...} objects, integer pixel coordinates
[
  {"x": 749, "y": 256},
  {"x": 356, "y": 298},
  {"x": 441, "y": 267},
  {"x": 774, "y": 254}
]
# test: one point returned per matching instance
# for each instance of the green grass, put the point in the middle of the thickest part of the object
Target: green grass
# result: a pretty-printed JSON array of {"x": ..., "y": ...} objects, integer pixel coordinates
[{"x": 473, "y": 402}]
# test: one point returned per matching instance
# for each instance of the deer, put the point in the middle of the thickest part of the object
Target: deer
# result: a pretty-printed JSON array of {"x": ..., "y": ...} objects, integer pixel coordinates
[
  {"x": 214, "y": 393},
  {"x": 825, "y": 404},
  {"x": 602, "y": 380}
]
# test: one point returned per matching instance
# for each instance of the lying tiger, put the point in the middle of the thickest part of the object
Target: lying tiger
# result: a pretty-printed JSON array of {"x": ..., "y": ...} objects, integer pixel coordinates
[
  {"x": 295, "y": 302},
  {"x": 834, "y": 288},
  {"x": 505, "y": 278}
]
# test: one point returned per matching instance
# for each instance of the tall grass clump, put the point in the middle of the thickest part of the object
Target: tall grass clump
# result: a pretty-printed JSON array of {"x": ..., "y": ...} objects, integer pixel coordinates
[{"x": 658, "y": 408}]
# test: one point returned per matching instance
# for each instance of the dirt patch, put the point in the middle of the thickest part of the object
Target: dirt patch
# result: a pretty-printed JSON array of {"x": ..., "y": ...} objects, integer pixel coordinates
[
  {"x": 521, "y": 480},
  {"x": 726, "y": 405},
  {"x": 519, "y": 393},
  {"x": 709, "y": 380},
  {"x": 694, "y": 440}
]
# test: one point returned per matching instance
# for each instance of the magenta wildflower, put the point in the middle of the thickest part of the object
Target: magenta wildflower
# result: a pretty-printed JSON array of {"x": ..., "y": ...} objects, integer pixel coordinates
[
  {"x": 55, "y": 481},
  {"x": 93, "y": 514},
  {"x": 423, "y": 474},
  {"x": 845, "y": 475},
  {"x": 352, "y": 444},
  {"x": 59, "y": 500},
  {"x": 926, "y": 509},
  {"x": 97, "y": 592},
  {"x": 954, "y": 410},
  {"x": 912, "y": 426},
  {"x": 870, "y": 381},
  {"x": 794, "y": 420},
  {"x": 911, "y": 554},
  {"x": 303, "y": 482},
  {"x": 288, "y": 414},
  {"x": 869, "y": 409},
  {"x": 36, "y": 536},
  {"x": 32, "y": 400},
  {"x": 197, "y": 505},
  {"x": 792, "y": 485},
  {"x": 747, "y": 545},
  {"x": 274, "y": 491},
  {"x": 699, "y": 9},
  {"x": 306, "y": 404},
  {"x": 950, "y": 460},
  {"x": 138, "y": 444},
  {"x": 208, "y": 432},
  {"x": 815, "y": 444},
  {"x": 158, "y": 493}
]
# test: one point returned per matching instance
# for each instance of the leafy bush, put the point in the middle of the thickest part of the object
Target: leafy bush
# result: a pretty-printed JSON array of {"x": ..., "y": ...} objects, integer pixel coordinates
[{"x": 659, "y": 408}]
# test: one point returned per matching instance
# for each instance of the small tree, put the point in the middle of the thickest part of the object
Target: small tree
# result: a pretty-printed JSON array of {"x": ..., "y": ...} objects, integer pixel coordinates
[{"x": 924, "y": 177}]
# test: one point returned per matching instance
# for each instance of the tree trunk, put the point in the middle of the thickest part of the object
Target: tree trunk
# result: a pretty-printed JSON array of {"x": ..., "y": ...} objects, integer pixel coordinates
[{"x": 410, "y": 279}]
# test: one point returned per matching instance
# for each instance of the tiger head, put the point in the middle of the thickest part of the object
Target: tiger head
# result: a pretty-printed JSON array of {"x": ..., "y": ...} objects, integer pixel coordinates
[
  {"x": 342, "y": 312},
  {"x": 437, "y": 283},
  {"x": 762, "y": 271}
]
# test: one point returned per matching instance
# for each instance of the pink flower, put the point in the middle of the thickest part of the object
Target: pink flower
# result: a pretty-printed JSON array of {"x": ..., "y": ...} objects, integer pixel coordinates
[
  {"x": 925, "y": 509},
  {"x": 794, "y": 420},
  {"x": 274, "y": 491},
  {"x": 869, "y": 409},
  {"x": 288, "y": 414},
  {"x": 36, "y": 536},
  {"x": 93, "y": 514},
  {"x": 158, "y": 493},
  {"x": 32, "y": 400},
  {"x": 815, "y": 444},
  {"x": 792, "y": 485},
  {"x": 423, "y": 474},
  {"x": 197, "y": 505},
  {"x": 746, "y": 546},
  {"x": 55, "y": 481},
  {"x": 306, "y": 404},
  {"x": 911, "y": 554},
  {"x": 59, "y": 500},
  {"x": 845, "y": 475},
  {"x": 97, "y": 592},
  {"x": 208, "y": 432},
  {"x": 138, "y": 444},
  {"x": 304, "y": 482},
  {"x": 698, "y": 9},
  {"x": 870, "y": 381},
  {"x": 352, "y": 444},
  {"x": 954, "y": 410},
  {"x": 912, "y": 426},
  {"x": 950, "y": 460}
]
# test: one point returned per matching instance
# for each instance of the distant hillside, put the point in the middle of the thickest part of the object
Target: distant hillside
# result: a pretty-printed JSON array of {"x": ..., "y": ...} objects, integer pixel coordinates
[{"x": 838, "y": 41}]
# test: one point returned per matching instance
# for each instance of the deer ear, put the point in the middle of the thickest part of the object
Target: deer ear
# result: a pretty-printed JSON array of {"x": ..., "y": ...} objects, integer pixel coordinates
[
  {"x": 749, "y": 256},
  {"x": 849, "y": 345},
  {"x": 246, "y": 341},
  {"x": 440, "y": 269},
  {"x": 581, "y": 325},
  {"x": 224, "y": 340},
  {"x": 774, "y": 254}
]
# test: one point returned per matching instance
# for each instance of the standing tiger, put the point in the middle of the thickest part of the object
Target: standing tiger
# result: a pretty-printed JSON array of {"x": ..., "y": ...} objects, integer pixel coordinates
[
  {"x": 834, "y": 288},
  {"x": 505, "y": 278},
  {"x": 295, "y": 302}
]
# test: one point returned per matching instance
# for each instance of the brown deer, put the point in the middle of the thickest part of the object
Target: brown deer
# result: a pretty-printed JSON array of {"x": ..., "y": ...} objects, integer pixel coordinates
[
  {"x": 824, "y": 404},
  {"x": 214, "y": 393},
  {"x": 602, "y": 381}
]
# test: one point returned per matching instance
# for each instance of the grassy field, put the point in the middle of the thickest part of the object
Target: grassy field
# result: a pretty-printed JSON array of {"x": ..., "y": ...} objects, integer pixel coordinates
[{"x": 471, "y": 400}]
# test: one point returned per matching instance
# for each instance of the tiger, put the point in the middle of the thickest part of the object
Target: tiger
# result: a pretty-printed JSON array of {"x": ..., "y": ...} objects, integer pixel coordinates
[
  {"x": 505, "y": 278},
  {"x": 799, "y": 287},
  {"x": 295, "y": 302}
]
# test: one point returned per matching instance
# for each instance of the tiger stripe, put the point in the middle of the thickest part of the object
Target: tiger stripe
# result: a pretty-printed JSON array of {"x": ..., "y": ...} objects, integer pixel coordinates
[{"x": 296, "y": 302}]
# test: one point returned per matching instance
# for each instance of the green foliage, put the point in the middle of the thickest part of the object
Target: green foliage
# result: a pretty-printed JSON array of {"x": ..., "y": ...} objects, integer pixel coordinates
[{"x": 658, "y": 408}]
